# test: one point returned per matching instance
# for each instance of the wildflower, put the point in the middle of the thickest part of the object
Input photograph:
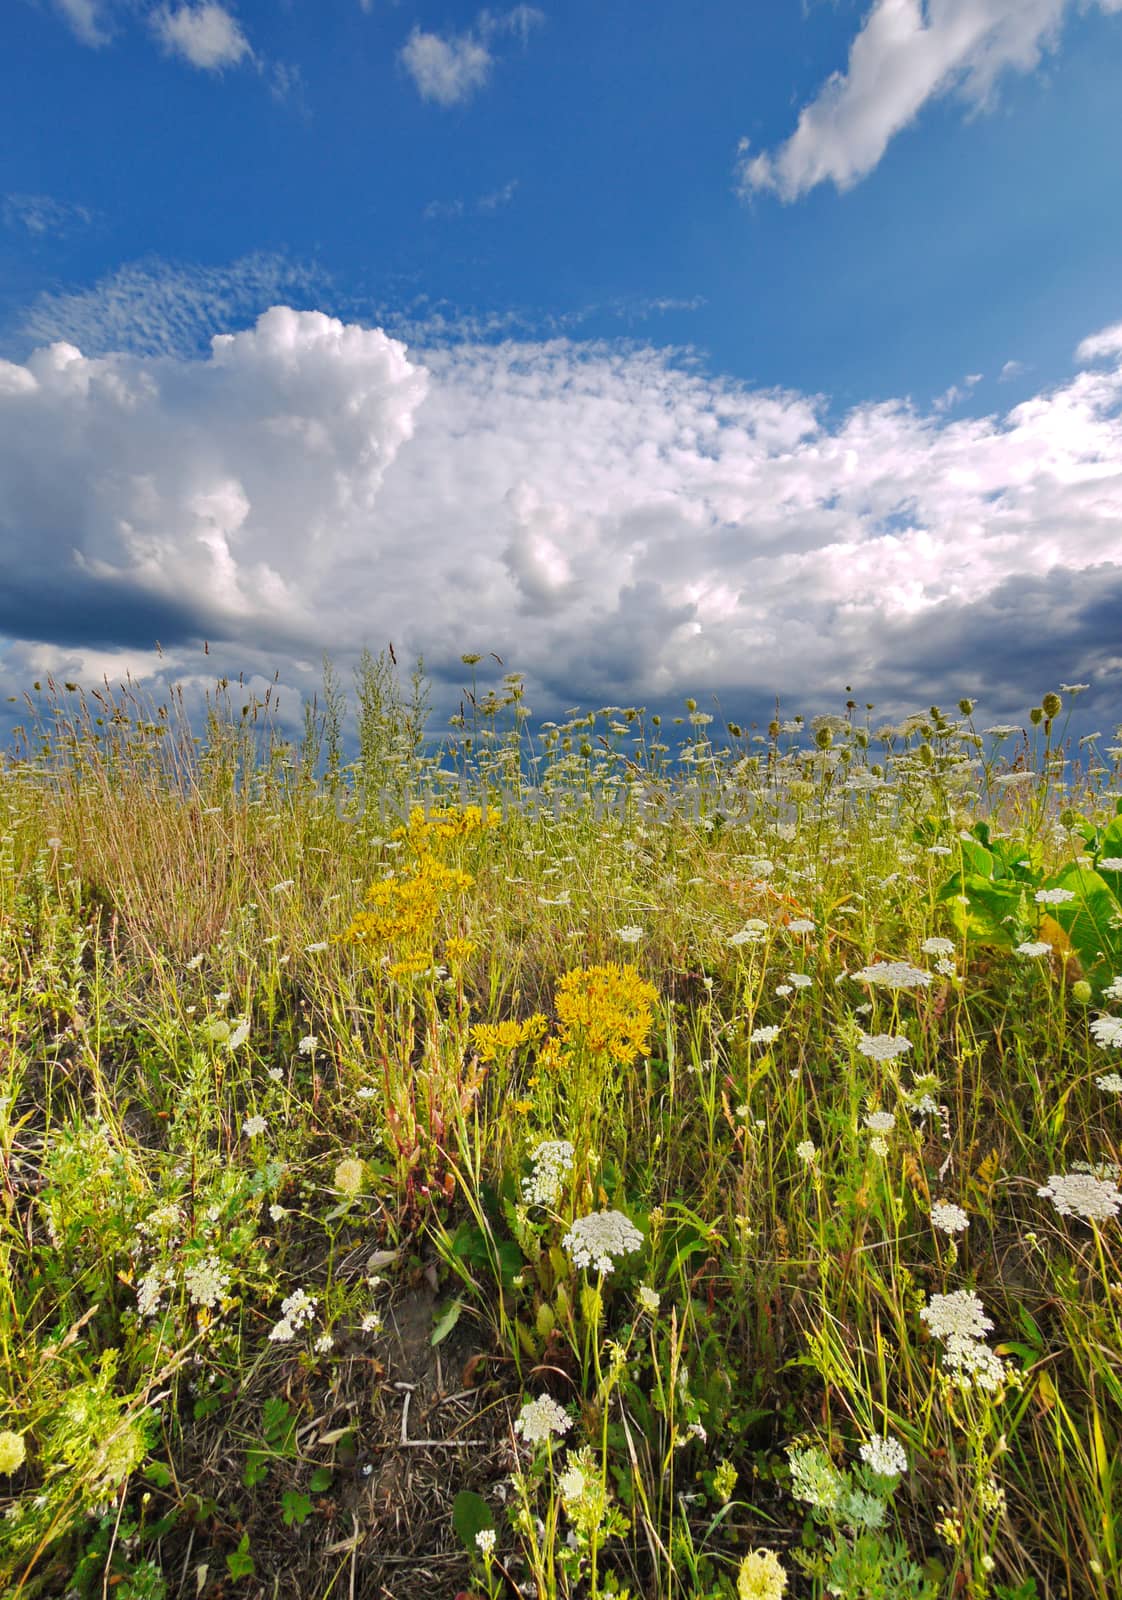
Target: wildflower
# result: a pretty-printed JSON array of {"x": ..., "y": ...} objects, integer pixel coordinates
[
  {"x": 315, "y": 949},
  {"x": 1053, "y": 897},
  {"x": 324, "y": 1343},
  {"x": 606, "y": 1009},
  {"x": 763, "y": 1035},
  {"x": 959, "y": 1314},
  {"x": 938, "y": 947},
  {"x": 149, "y": 1292},
  {"x": 630, "y": 934},
  {"x": 307, "y": 1045},
  {"x": 195, "y": 963},
  {"x": 883, "y": 1046},
  {"x": 1080, "y": 1194},
  {"x": 1110, "y": 1083},
  {"x": 799, "y": 980},
  {"x": 252, "y": 1126},
  {"x": 206, "y": 1282},
  {"x": 349, "y": 1176},
  {"x": 239, "y": 1035},
  {"x": 800, "y": 925},
  {"x": 485, "y": 1542},
  {"x": 1110, "y": 863},
  {"x": 277, "y": 1212},
  {"x": 540, "y": 1419},
  {"x": 814, "y": 1478},
  {"x": 1108, "y": 1031},
  {"x": 1033, "y": 947},
  {"x": 13, "y": 1452},
  {"x": 783, "y": 990},
  {"x": 949, "y": 1218},
  {"x": 372, "y": 1322},
  {"x": 885, "y": 1457},
  {"x": 754, "y": 931},
  {"x": 649, "y": 1299},
  {"x": 880, "y": 1121},
  {"x": 222, "y": 999},
  {"x": 893, "y": 975},
  {"x": 489, "y": 1038},
  {"x": 878, "y": 1146},
  {"x": 551, "y": 1162},
  {"x": 975, "y": 1364},
  {"x": 596, "y": 1240},
  {"x": 761, "y": 1576},
  {"x": 1113, "y": 991},
  {"x": 281, "y": 1332},
  {"x": 806, "y": 1151}
]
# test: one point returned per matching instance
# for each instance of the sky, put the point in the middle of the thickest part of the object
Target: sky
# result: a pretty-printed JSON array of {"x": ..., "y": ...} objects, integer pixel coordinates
[{"x": 736, "y": 351}]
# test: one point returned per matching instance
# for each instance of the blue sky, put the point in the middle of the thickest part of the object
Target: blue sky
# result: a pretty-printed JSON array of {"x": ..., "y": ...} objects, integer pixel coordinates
[{"x": 723, "y": 349}]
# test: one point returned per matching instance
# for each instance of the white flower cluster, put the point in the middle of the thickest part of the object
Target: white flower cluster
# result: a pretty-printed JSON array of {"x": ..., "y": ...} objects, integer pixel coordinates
[
  {"x": 938, "y": 947},
  {"x": 884, "y": 1456},
  {"x": 1108, "y": 1031},
  {"x": 206, "y": 1281},
  {"x": 150, "y": 1290},
  {"x": 1033, "y": 947},
  {"x": 883, "y": 1046},
  {"x": 800, "y": 925},
  {"x": 1110, "y": 1083},
  {"x": 893, "y": 975},
  {"x": 959, "y": 1320},
  {"x": 1053, "y": 897},
  {"x": 763, "y": 1035},
  {"x": 754, "y": 931},
  {"x": 600, "y": 1239},
  {"x": 949, "y": 1218},
  {"x": 880, "y": 1121},
  {"x": 551, "y": 1161},
  {"x": 540, "y": 1419},
  {"x": 1113, "y": 990},
  {"x": 1081, "y": 1194},
  {"x": 296, "y": 1312}
]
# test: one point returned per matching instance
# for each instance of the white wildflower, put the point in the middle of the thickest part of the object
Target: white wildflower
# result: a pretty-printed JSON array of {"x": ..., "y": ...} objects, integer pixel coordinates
[
  {"x": 1110, "y": 863},
  {"x": 959, "y": 1314},
  {"x": 763, "y": 1035},
  {"x": 485, "y": 1541},
  {"x": 630, "y": 934},
  {"x": 805, "y": 1150},
  {"x": 649, "y": 1299},
  {"x": 599, "y": 1239},
  {"x": 949, "y": 1218},
  {"x": 1079, "y": 1194},
  {"x": 884, "y": 1456},
  {"x": 893, "y": 975},
  {"x": 307, "y": 1045},
  {"x": 1110, "y": 1083},
  {"x": 1033, "y": 947},
  {"x": 883, "y": 1046},
  {"x": 938, "y": 947},
  {"x": 880, "y": 1121},
  {"x": 1108, "y": 1031},
  {"x": 1053, "y": 897},
  {"x": 239, "y": 1035},
  {"x": 551, "y": 1162},
  {"x": 540, "y": 1419},
  {"x": 206, "y": 1281},
  {"x": 800, "y": 925},
  {"x": 252, "y": 1126}
]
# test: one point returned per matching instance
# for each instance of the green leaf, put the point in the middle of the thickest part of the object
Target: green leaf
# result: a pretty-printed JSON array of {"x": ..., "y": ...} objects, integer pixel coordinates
[
  {"x": 470, "y": 1515},
  {"x": 239, "y": 1562},
  {"x": 1088, "y": 920},
  {"x": 320, "y": 1480},
  {"x": 296, "y": 1508},
  {"x": 275, "y": 1414},
  {"x": 446, "y": 1321},
  {"x": 256, "y": 1468}
]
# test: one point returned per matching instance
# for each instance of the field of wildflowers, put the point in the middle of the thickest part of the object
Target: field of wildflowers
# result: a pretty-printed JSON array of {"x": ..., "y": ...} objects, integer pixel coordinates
[{"x": 615, "y": 1158}]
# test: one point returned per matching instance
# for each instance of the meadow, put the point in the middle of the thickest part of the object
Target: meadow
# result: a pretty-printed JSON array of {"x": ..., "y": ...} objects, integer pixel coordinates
[{"x": 622, "y": 1157}]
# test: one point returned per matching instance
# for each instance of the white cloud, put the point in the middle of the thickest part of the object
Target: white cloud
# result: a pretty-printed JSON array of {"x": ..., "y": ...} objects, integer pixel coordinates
[
  {"x": 610, "y": 523},
  {"x": 206, "y": 35},
  {"x": 85, "y": 17},
  {"x": 1106, "y": 343},
  {"x": 486, "y": 204},
  {"x": 907, "y": 53},
  {"x": 449, "y": 70},
  {"x": 1011, "y": 370},
  {"x": 41, "y": 214}
]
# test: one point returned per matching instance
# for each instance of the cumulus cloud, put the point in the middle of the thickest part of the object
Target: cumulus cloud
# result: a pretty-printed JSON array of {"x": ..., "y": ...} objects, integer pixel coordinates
[
  {"x": 612, "y": 523},
  {"x": 907, "y": 53},
  {"x": 206, "y": 35},
  {"x": 1101, "y": 345},
  {"x": 85, "y": 18},
  {"x": 449, "y": 70}
]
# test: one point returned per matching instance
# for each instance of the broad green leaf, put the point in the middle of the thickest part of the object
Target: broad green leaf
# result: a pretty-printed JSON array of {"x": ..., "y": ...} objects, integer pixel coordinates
[
  {"x": 446, "y": 1321},
  {"x": 470, "y": 1515}
]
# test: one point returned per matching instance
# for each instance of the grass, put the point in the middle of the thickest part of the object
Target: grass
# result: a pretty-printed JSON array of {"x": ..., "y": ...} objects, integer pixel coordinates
[{"x": 314, "y": 1071}]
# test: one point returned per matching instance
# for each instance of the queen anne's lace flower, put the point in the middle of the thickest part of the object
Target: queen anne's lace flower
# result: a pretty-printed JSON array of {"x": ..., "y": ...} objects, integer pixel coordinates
[
  {"x": 880, "y": 1121},
  {"x": 1110, "y": 1083},
  {"x": 598, "y": 1240},
  {"x": 1079, "y": 1194},
  {"x": 206, "y": 1282},
  {"x": 551, "y": 1161},
  {"x": 893, "y": 975},
  {"x": 938, "y": 947},
  {"x": 1108, "y": 1031},
  {"x": 949, "y": 1218},
  {"x": 540, "y": 1419},
  {"x": 1053, "y": 897},
  {"x": 885, "y": 1456},
  {"x": 958, "y": 1314},
  {"x": 883, "y": 1046},
  {"x": 1033, "y": 947}
]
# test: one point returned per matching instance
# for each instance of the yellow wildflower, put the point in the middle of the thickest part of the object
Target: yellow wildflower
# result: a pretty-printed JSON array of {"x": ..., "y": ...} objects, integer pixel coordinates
[
  {"x": 489, "y": 1038},
  {"x": 457, "y": 951},
  {"x": 607, "y": 1010}
]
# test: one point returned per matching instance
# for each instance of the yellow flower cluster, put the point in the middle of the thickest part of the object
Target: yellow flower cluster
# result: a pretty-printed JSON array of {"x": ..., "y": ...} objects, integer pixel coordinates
[
  {"x": 442, "y": 826},
  {"x": 607, "y": 1010},
  {"x": 761, "y": 1576},
  {"x": 403, "y": 910},
  {"x": 489, "y": 1038}
]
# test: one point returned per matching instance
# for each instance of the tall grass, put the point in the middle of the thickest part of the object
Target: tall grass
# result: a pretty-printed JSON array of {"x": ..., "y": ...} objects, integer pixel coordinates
[{"x": 315, "y": 1071}]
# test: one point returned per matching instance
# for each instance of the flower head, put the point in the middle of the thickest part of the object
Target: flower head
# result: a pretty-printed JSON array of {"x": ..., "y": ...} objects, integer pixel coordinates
[
  {"x": 551, "y": 1161},
  {"x": 1108, "y": 1032},
  {"x": 13, "y": 1451},
  {"x": 883, "y": 1046},
  {"x": 959, "y": 1314},
  {"x": 598, "y": 1240},
  {"x": 540, "y": 1419},
  {"x": 761, "y": 1576},
  {"x": 1053, "y": 897},
  {"x": 1080, "y": 1194},
  {"x": 885, "y": 1457},
  {"x": 893, "y": 975},
  {"x": 348, "y": 1176},
  {"x": 949, "y": 1218}
]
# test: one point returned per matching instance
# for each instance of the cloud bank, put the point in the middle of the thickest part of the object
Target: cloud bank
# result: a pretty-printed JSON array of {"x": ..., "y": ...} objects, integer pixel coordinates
[{"x": 614, "y": 524}]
